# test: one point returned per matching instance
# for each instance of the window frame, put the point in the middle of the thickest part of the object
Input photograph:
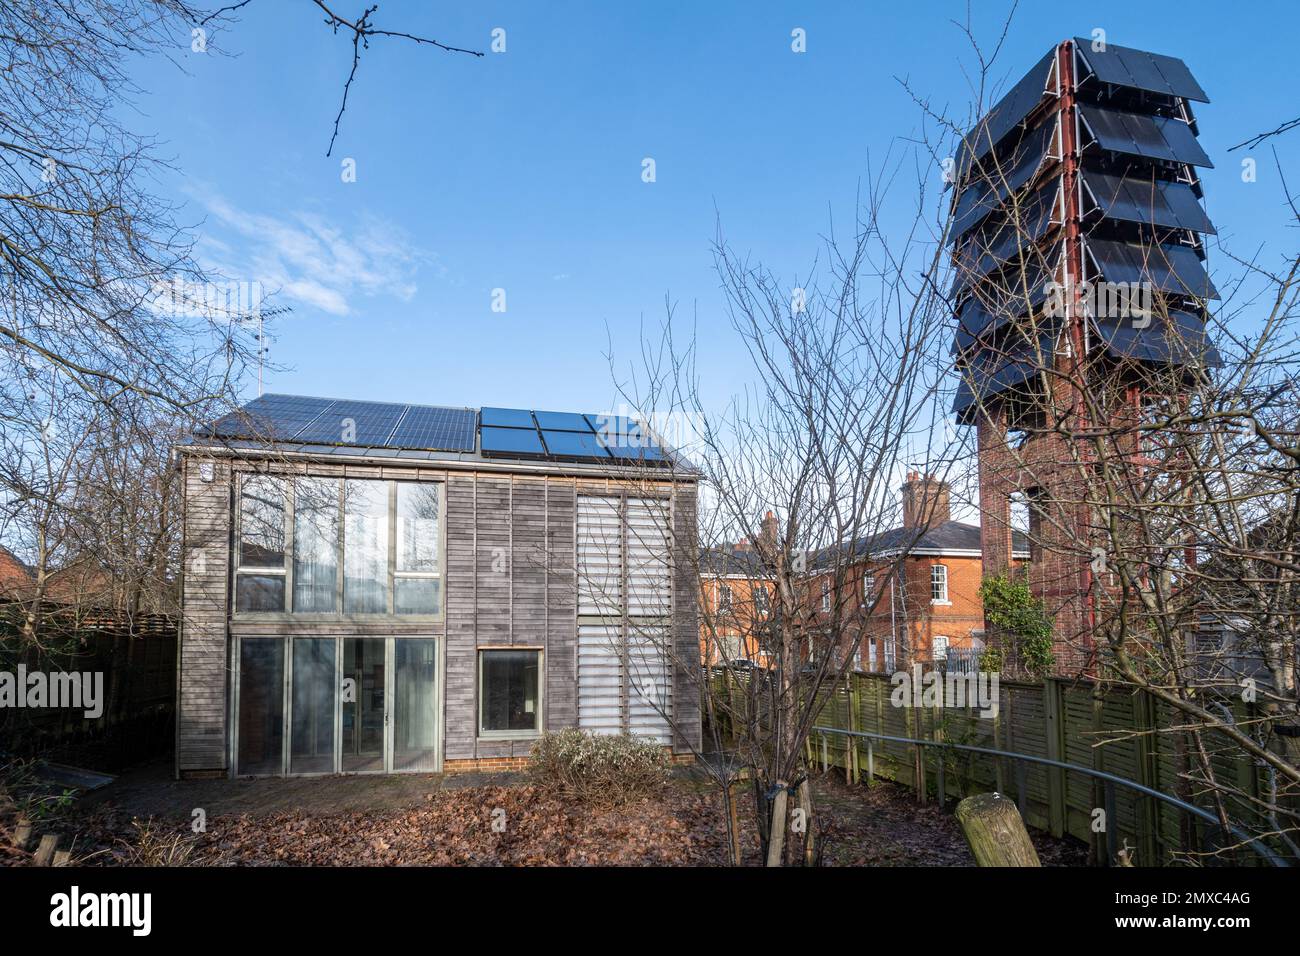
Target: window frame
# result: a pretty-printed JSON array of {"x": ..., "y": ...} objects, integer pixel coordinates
[
  {"x": 826, "y": 596},
  {"x": 868, "y": 586},
  {"x": 387, "y": 616},
  {"x": 762, "y": 600},
  {"x": 725, "y": 598},
  {"x": 283, "y": 572},
  {"x": 947, "y": 644},
  {"x": 938, "y": 580},
  {"x": 482, "y": 732}
]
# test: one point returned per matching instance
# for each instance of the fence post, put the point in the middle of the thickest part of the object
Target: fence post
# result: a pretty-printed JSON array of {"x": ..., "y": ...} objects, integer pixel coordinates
[
  {"x": 1054, "y": 710},
  {"x": 853, "y": 725},
  {"x": 1148, "y": 813}
]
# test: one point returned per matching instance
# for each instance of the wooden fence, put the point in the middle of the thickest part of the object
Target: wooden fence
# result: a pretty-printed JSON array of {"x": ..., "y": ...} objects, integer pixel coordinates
[
  {"x": 138, "y": 662},
  {"x": 1105, "y": 728}
]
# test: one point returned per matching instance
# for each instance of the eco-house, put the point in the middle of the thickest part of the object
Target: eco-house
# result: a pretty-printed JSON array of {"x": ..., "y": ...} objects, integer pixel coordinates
[{"x": 378, "y": 588}]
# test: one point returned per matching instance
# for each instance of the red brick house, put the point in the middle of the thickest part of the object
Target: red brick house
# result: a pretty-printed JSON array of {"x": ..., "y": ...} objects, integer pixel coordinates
[{"x": 930, "y": 603}]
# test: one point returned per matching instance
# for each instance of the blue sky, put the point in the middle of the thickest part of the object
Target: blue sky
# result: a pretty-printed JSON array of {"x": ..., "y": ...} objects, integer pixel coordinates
[{"x": 522, "y": 170}]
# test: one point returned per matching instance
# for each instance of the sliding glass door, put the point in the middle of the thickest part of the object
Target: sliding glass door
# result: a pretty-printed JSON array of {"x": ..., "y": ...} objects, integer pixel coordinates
[{"x": 314, "y": 705}]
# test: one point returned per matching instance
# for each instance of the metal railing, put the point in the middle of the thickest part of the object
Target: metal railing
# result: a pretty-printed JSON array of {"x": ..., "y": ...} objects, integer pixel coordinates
[{"x": 1109, "y": 781}]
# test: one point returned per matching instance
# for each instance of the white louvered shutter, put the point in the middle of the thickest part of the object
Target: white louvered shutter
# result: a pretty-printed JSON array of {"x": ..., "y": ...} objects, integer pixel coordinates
[
  {"x": 600, "y": 578},
  {"x": 649, "y": 545},
  {"x": 599, "y": 680},
  {"x": 650, "y": 682}
]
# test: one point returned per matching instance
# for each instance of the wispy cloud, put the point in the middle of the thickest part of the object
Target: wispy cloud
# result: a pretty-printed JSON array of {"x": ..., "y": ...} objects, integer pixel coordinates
[{"x": 307, "y": 260}]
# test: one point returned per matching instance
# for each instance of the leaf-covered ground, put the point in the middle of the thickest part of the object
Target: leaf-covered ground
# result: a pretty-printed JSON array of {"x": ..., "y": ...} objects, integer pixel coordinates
[{"x": 500, "y": 822}]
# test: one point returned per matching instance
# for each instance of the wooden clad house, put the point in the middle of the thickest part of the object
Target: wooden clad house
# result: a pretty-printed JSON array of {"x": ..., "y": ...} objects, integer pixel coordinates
[{"x": 376, "y": 587}]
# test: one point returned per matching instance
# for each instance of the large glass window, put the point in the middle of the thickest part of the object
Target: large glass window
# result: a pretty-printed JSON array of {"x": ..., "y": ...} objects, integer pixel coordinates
[
  {"x": 363, "y": 704},
  {"x": 314, "y": 680},
  {"x": 508, "y": 692},
  {"x": 416, "y": 577},
  {"x": 259, "y": 558},
  {"x": 365, "y": 547},
  {"x": 294, "y": 536},
  {"x": 315, "y": 545},
  {"x": 415, "y": 709},
  {"x": 261, "y": 706}
]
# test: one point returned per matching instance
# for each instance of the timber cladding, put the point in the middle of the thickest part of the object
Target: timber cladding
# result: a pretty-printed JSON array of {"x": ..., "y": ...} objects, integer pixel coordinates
[{"x": 510, "y": 582}]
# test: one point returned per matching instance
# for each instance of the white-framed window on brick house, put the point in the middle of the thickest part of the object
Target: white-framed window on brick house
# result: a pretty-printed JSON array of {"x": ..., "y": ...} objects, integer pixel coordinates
[
  {"x": 939, "y": 584},
  {"x": 509, "y": 692},
  {"x": 826, "y": 597},
  {"x": 868, "y": 586},
  {"x": 624, "y": 615},
  {"x": 889, "y": 654},
  {"x": 762, "y": 600},
  {"x": 724, "y": 598},
  {"x": 939, "y": 648}
]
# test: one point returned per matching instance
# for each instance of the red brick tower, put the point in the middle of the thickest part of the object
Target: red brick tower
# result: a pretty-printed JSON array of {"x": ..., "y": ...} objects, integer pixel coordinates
[{"x": 1079, "y": 260}]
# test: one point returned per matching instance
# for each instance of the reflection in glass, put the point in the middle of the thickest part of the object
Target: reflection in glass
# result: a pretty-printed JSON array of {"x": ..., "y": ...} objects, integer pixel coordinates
[
  {"x": 365, "y": 547},
  {"x": 315, "y": 544},
  {"x": 261, "y": 706},
  {"x": 261, "y": 522},
  {"x": 417, "y": 595},
  {"x": 312, "y": 740},
  {"x": 363, "y": 704},
  {"x": 510, "y": 691},
  {"x": 417, "y": 526},
  {"x": 259, "y": 592},
  {"x": 415, "y": 710}
]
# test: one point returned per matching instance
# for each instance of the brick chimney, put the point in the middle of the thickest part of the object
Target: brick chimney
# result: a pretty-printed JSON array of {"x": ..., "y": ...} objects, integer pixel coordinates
[
  {"x": 925, "y": 501},
  {"x": 768, "y": 530}
]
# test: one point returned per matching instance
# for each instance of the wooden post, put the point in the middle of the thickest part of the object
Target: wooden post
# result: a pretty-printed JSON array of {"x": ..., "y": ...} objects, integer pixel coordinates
[
  {"x": 776, "y": 841},
  {"x": 45, "y": 852},
  {"x": 22, "y": 835},
  {"x": 854, "y": 701},
  {"x": 62, "y": 857},
  {"x": 1054, "y": 711},
  {"x": 995, "y": 831}
]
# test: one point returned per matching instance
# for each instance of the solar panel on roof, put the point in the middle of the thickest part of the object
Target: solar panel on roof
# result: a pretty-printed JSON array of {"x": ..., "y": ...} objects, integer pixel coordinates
[
  {"x": 1160, "y": 203},
  {"x": 1152, "y": 137},
  {"x": 1006, "y": 114},
  {"x": 1152, "y": 72},
  {"x": 506, "y": 417},
  {"x": 1179, "y": 338},
  {"x": 562, "y": 421},
  {"x": 1168, "y": 268},
  {"x": 574, "y": 445},
  {"x": 992, "y": 182},
  {"x": 353, "y": 423},
  {"x": 510, "y": 441},
  {"x": 271, "y": 417},
  {"x": 440, "y": 429}
]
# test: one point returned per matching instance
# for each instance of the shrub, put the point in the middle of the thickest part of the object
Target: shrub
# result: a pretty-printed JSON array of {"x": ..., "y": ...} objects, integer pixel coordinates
[
  {"x": 598, "y": 769},
  {"x": 1013, "y": 611}
]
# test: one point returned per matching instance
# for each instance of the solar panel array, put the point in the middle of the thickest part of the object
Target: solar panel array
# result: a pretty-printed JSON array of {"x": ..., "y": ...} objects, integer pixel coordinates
[
  {"x": 613, "y": 439},
  {"x": 337, "y": 425},
  {"x": 335, "y": 422},
  {"x": 1137, "y": 209}
]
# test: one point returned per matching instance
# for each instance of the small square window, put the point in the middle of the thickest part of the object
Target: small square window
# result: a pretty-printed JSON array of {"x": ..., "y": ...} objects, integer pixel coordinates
[
  {"x": 509, "y": 693},
  {"x": 259, "y": 592}
]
